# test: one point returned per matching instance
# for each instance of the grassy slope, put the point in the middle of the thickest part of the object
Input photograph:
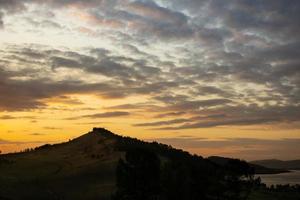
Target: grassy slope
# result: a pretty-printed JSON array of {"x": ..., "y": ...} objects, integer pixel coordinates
[{"x": 83, "y": 168}]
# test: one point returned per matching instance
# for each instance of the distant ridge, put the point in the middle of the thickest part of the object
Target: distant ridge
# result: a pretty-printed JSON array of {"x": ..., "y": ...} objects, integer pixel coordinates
[
  {"x": 278, "y": 164},
  {"x": 259, "y": 169}
]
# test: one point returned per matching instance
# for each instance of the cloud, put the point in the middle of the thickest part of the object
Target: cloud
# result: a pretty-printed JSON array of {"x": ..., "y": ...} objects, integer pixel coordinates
[
  {"x": 162, "y": 17},
  {"x": 196, "y": 105},
  {"x": 51, "y": 128},
  {"x": 98, "y": 20},
  {"x": 102, "y": 115},
  {"x": 8, "y": 142},
  {"x": 1, "y": 20},
  {"x": 230, "y": 116},
  {"x": 191, "y": 59},
  {"x": 37, "y": 134},
  {"x": 136, "y": 106},
  {"x": 189, "y": 120},
  {"x": 6, "y": 117},
  {"x": 26, "y": 95},
  {"x": 10, "y": 117},
  {"x": 226, "y": 122},
  {"x": 247, "y": 148},
  {"x": 31, "y": 93},
  {"x": 153, "y": 11},
  {"x": 9, "y": 7},
  {"x": 4, "y": 141},
  {"x": 170, "y": 114},
  {"x": 211, "y": 90},
  {"x": 122, "y": 77},
  {"x": 161, "y": 123},
  {"x": 107, "y": 114},
  {"x": 225, "y": 142}
]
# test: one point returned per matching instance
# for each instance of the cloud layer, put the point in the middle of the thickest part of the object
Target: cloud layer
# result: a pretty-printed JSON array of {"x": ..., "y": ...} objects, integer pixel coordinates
[
  {"x": 247, "y": 148},
  {"x": 194, "y": 64}
]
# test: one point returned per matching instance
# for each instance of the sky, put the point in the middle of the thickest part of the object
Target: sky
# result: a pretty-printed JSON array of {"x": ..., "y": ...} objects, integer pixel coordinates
[{"x": 212, "y": 77}]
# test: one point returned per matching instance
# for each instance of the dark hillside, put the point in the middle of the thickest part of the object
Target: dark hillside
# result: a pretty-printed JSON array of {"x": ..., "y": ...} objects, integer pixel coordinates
[
  {"x": 83, "y": 168},
  {"x": 258, "y": 169},
  {"x": 103, "y": 165}
]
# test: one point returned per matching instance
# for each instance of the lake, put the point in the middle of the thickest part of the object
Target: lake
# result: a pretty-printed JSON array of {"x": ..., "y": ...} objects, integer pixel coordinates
[{"x": 291, "y": 178}]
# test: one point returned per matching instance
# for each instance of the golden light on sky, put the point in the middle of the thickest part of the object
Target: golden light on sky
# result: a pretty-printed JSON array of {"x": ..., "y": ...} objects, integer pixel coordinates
[{"x": 205, "y": 76}]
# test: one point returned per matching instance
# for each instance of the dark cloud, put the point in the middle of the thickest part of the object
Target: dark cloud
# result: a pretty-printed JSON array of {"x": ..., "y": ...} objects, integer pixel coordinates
[
  {"x": 283, "y": 15},
  {"x": 179, "y": 19},
  {"x": 162, "y": 123},
  {"x": 248, "y": 148},
  {"x": 37, "y": 134},
  {"x": 226, "y": 142},
  {"x": 239, "y": 116},
  {"x": 10, "y": 117},
  {"x": 137, "y": 106},
  {"x": 9, "y": 7},
  {"x": 230, "y": 116},
  {"x": 107, "y": 114},
  {"x": 170, "y": 114},
  {"x": 226, "y": 122},
  {"x": 196, "y": 105},
  {"x": 212, "y": 90},
  {"x": 6, "y": 117},
  {"x": 8, "y": 142},
  {"x": 204, "y": 118},
  {"x": 153, "y": 11},
  {"x": 102, "y": 115},
  {"x": 30, "y": 93},
  {"x": 51, "y": 128},
  {"x": 153, "y": 20},
  {"x": 44, "y": 23},
  {"x": 24, "y": 95},
  {"x": 1, "y": 20}
]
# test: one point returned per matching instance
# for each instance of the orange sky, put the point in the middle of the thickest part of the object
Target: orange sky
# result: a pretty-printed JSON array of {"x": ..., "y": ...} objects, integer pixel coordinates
[{"x": 28, "y": 129}]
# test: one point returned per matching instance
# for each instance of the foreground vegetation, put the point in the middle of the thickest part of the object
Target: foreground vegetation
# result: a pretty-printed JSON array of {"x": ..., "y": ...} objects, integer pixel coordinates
[{"x": 278, "y": 192}]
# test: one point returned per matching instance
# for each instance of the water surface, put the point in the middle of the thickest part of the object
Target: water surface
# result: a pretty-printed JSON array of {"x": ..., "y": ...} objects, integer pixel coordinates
[{"x": 291, "y": 178}]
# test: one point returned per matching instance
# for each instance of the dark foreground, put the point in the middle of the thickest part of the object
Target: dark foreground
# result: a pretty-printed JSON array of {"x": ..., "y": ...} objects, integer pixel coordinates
[{"x": 102, "y": 165}]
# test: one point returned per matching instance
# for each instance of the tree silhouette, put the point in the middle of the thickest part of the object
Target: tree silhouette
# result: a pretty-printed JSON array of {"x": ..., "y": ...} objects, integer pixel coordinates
[{"x": 138, "y": 176}]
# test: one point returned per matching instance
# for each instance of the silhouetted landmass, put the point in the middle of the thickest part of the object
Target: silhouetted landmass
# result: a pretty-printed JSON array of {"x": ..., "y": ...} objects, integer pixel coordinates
[
  {"x": 158, "y": 171},
  {"x": 258, "y": 169},
  {"x": 265, "y": 170},
  {"x": 102, "y": 165},
  {"x": 279, "y": 164}
]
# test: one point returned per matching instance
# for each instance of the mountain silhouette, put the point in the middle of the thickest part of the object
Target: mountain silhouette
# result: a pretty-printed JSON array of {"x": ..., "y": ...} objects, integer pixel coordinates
[{"x": 103, "y": 165}]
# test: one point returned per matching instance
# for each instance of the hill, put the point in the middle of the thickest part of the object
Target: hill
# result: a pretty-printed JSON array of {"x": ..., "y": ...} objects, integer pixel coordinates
[
  {"x": 83, "y": 168},
  {"x": 103, "y": 165},
  {"x": 258, "y": 169},
  {"x": 279, "y": 164}
]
